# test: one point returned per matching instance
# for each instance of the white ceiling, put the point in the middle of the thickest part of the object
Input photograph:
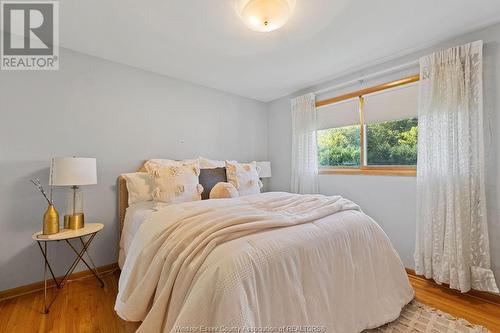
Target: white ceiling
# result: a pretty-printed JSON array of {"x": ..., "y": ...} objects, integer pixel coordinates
[{"x": 203, "y": 41}]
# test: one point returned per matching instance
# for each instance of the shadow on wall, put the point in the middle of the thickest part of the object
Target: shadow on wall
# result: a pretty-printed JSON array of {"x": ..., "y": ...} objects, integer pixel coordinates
[
  {"x": 23, "y": 199},
  {"x": 19, "y": 202},
  {"x": 491, "y": 61}
]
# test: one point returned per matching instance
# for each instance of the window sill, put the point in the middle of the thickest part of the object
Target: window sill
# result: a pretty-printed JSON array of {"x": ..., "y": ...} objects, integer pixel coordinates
[{"x": 401, "y": 172}]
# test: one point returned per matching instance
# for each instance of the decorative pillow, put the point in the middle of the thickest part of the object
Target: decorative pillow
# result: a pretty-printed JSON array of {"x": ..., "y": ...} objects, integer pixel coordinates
[
  {"x": 206, "y": 163},
  {"x": 139, "y": 187},
  {"x": 155, "y": 163},
  {"x": 209, "y": 178},
  {"x": 224, "y": 190},
  {"x": 245, "y": 177},
  {"x": 176, "y": 183}
]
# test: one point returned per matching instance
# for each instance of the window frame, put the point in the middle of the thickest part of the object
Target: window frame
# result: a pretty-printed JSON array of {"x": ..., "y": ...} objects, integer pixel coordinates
[{"x": 364, "y": 169}]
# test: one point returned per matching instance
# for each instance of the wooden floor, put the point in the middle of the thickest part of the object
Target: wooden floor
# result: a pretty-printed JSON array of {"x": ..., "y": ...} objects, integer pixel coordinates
[
  {"x": 82, "y": 306},
  {"x": 475, "y": 310}
]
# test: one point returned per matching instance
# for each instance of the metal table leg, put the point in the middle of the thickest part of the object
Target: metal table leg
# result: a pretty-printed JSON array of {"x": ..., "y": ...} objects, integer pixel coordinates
[
  {"x": 80, "y": 257},
  {"x": 45, "y": 309},
  {"x": 46, "y": 265},
  {"x": 92, "y": 262}
]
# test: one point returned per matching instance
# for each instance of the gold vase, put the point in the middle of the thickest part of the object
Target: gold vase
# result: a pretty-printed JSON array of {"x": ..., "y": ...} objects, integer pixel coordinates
[{"x": 50, "y": 221}]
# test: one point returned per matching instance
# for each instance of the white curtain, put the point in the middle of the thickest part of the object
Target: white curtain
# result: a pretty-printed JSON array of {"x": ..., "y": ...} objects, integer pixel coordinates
[
  {"x": 452, "y": 243},
  {"x": 304, "y": 150}
]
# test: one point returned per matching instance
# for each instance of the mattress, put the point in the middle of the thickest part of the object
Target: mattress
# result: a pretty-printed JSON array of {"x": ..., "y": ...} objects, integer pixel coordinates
[{"x": 135, "y": 215}]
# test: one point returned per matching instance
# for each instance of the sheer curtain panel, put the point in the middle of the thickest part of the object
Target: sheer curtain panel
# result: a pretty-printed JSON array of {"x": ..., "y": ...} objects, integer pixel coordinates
[
  {"x": 304, "y": 150},
  {"x": 452, "y": 243}
]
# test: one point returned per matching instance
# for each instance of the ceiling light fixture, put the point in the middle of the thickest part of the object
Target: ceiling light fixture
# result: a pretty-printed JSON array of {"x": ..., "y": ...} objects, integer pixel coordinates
[{"x": 266, "y": 15}]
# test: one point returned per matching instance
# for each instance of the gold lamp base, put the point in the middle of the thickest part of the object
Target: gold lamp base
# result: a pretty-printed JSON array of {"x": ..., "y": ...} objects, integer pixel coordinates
[{"x": 74, "y": 221}]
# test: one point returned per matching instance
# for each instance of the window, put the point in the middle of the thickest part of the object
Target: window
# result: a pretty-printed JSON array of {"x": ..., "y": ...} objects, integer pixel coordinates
[
  {"x": 338, "y": 135},
  {"x": 392, "y": 142},
  {"x": 339, "y": 146},
  {"x": 373, "y": 131}
]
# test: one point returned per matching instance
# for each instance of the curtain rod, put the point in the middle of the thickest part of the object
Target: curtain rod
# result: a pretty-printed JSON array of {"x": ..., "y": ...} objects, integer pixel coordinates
[
  {"x": 369, "y": 90},
  {"x": 367, "y": 77}
]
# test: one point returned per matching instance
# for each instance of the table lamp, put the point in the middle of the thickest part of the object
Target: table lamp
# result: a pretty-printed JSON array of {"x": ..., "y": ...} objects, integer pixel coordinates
[
  {"x": 74, "y": 172},
  {"x": 264, "y": 169}
]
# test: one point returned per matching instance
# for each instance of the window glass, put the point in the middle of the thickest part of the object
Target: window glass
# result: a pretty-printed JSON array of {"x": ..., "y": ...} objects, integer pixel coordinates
[
  {"x": 392, "y": 142},
  {"x": 339, "y": 147},
  {"x": 390, "y": 130}
]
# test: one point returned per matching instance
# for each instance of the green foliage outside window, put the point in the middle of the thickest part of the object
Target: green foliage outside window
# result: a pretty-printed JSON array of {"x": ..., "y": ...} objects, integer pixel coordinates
[
  {"x": 388, "y": 143},
  {"x": 392, "y": 142},
  {"x": 339, "y": 146}
]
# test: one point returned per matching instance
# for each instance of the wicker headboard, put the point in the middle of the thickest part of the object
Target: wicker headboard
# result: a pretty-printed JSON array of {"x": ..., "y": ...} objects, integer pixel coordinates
[{"x": 123, "y": 198}]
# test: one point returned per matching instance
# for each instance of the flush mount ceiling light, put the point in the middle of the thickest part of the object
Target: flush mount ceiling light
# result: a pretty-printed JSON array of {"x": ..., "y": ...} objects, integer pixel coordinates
[{"x": 266, "y": 15}]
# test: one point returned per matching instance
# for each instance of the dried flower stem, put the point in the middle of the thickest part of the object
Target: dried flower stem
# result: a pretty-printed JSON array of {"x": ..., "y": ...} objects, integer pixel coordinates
[
  {"x": 39, "y": 186},
  {"x": 51, "y": 179}
]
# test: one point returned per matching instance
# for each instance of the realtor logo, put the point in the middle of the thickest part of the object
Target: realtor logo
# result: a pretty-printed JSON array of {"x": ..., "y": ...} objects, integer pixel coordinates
[{"x": 30, "y": 35}]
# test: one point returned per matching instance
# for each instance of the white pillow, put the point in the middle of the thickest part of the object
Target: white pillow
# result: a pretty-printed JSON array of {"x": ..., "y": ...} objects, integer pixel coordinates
[
  {"x": 223, "y": 190},
  {"x": 244, "y": 176},
  {"x": 139, "y": 187},
  {"x": 176, "y": 183}
]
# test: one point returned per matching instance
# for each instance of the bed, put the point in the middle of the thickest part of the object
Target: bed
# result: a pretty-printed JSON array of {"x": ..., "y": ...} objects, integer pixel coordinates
[{"x": 270, "y": 262}]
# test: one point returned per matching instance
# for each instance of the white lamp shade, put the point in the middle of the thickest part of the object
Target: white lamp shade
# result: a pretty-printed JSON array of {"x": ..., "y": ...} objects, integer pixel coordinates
[
  {"x": 264, "y": 169},
  {"x": 73, "y": 171}
]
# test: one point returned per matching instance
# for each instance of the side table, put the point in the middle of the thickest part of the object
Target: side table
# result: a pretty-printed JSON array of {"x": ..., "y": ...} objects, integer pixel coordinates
[{"x": 90, "y": 230}]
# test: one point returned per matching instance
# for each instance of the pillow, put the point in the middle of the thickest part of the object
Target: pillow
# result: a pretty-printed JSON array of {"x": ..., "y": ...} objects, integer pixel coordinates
[
  {"x": 176, "y": 183},
  {"x": 224, "y": 190},
  {"x": 245, "y": 177},
  {"x": 206, "y": 163},
  {"x": 139, "y": 187},
  {"x": 155, "y": 163},
  {"x": 209, "y": 178}
]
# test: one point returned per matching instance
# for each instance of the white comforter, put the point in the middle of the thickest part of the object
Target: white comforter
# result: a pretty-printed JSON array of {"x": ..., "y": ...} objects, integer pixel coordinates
[{"x": 261, "y": 263}]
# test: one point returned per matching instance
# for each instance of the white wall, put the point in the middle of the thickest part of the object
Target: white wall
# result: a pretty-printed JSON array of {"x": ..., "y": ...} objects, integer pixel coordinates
[
  {"x": 391, "y": 201},
  {"x": 121, "y": 116}
]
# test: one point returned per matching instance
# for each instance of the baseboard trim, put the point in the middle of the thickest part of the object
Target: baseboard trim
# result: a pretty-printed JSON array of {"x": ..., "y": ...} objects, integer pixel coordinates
[
  {"x": 482, "y": 295},
  {"x": 38, "y": 286}
]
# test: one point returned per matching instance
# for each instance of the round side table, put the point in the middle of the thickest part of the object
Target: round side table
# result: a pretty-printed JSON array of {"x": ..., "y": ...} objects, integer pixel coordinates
[{"x": 89, "y": 231}]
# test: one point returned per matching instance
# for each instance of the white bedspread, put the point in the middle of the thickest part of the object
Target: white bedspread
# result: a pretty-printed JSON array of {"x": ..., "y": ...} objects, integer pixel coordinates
[{"x": 260, "y": 263}]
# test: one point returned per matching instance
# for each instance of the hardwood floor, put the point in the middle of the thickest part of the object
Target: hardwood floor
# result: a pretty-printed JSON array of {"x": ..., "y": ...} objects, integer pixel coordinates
[
  {"x": 475, "y": 310},
  {"x": 82, "y": 306}
]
